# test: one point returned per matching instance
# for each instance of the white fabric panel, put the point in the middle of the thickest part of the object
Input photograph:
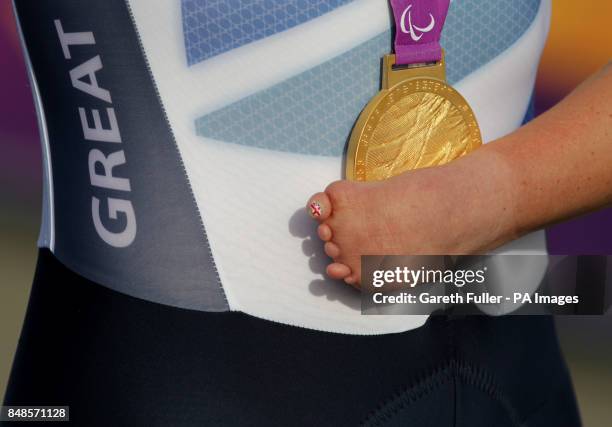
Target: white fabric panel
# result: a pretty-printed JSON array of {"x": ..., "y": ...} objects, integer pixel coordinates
[{"x": 269, "y": 259}]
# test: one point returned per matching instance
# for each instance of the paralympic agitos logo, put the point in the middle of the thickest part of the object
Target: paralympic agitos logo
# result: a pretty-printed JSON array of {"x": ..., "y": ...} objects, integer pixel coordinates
[{"x": 415, "y": 32}]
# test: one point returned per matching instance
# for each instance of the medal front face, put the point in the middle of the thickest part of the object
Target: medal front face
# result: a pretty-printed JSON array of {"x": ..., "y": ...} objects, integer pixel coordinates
[{"x": 417, "y": 123}]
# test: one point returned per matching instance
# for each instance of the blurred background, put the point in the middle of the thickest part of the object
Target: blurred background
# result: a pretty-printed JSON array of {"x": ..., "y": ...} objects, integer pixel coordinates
[{"x": 580, "y": 42}]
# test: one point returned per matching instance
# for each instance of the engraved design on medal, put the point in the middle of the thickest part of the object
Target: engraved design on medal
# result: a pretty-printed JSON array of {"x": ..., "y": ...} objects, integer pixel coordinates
[{"x": 418, "y": 123}]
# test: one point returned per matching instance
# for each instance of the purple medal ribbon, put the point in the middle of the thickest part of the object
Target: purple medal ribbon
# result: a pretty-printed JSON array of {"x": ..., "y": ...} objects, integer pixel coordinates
[{"x": 418, "y": 27}]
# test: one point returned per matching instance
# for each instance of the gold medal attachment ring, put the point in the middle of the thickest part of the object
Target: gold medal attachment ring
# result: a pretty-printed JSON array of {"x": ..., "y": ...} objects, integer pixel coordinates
[{"x": 416, "y": 121}]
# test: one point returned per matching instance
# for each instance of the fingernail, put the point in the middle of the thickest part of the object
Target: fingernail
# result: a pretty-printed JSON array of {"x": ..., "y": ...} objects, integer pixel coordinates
[{"x": 315, "y": 209}]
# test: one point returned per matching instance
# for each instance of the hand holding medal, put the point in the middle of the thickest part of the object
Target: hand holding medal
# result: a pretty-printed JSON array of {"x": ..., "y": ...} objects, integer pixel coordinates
[{"x": 417, "y": 120}]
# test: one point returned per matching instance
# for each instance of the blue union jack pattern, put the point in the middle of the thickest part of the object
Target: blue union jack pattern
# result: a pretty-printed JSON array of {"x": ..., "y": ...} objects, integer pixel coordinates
[
  {"x": 313, "y": 112},
  {"x": 212, "y": 27}
]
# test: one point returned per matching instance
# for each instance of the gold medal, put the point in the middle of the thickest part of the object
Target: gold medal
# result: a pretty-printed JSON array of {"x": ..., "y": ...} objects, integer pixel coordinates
[{"x": 417, "y": 120}]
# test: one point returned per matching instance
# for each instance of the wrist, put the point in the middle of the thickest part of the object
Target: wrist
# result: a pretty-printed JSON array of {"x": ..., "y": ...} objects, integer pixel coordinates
[{"x": 488, "y": 196}]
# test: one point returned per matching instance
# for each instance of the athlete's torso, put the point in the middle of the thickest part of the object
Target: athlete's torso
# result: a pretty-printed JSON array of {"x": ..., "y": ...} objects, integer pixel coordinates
[{"x": 260, "y": 97}]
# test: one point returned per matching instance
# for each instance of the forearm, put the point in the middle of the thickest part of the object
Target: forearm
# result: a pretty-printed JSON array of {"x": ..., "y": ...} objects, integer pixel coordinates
[
  {"x": 556, "y": 167},
  {"x": 563, "y": 160}
]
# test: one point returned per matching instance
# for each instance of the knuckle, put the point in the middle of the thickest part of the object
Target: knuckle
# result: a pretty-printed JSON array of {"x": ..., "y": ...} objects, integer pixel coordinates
[{"x": 338, "y": 192}]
